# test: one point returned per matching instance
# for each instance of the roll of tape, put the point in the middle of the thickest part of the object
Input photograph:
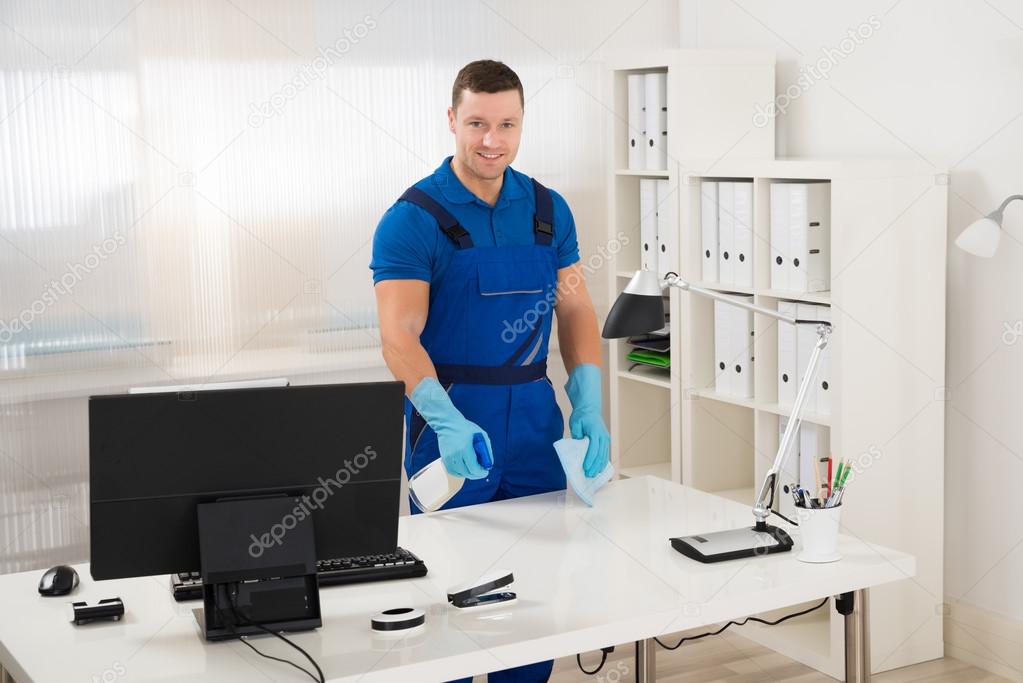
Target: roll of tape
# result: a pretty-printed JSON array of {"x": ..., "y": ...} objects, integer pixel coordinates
[{"x": 398, "y": 619}]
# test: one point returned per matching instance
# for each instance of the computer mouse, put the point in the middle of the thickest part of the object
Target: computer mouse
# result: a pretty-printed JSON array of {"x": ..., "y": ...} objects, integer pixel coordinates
[{"x": 59, "y": 580}]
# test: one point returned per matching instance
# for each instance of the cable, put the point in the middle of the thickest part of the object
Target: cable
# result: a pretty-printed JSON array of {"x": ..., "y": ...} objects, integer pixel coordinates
[
  {"x": 603, "y": 659},
  {"x": 742, "y": 623},
  {"x": 794, "y": 524},
  {"x": 604, "y": 652},
  {"x": 278, "y": 659},
  {"x": 234, "y": 610}
]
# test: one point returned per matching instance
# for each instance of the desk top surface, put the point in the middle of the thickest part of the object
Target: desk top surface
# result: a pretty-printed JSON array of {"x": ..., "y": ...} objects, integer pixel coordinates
[{"x": 585, "y": 578}]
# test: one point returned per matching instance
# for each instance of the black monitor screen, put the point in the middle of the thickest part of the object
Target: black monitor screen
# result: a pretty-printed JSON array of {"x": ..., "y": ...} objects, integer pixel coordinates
[{"x": 154, "y": 457}]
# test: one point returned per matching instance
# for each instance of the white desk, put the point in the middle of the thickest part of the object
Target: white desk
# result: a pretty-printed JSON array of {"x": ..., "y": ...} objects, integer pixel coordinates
[{"x": 586, "y": 578}]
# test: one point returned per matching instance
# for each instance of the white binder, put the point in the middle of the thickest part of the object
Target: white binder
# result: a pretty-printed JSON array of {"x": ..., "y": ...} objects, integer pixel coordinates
[
  {"x": 637, "y": 123},
  {"x": 655, "y": 102},
  {"x": 726, "y": 233},
  {"x": 824, "y": 389},
  {"x": 742, "y": 212},
  {"x": 788, "y": 374},
  {"x": 742, "y": 349},
  {"x": 809, "y": 237},
  {"x": 789, "y": 471},
  {"x": 709, "y": 229},
  {"x": 667, "y": 228},
  {"x": 813, "y": 449},
  {"x": 648, "y": 224},
  {"x": 722, "y": 347},
  {"x": 780, "y": 236},
  {"x": 806, "y": 339},
  {"x": 818, "y": 237}
]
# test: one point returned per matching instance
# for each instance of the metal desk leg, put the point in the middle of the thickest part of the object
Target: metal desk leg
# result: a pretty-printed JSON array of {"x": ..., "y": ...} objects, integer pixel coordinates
[
  {"x": 857, "y": 639},
  {"x": 646, "y": 661}
]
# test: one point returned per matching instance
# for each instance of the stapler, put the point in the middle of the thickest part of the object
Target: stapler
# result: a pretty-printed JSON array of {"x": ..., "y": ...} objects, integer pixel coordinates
[{"x": 484, "y": 591}]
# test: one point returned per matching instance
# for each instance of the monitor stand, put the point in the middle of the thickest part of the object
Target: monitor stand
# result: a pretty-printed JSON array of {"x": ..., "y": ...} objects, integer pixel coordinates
[{"x": 258, "y": 564}]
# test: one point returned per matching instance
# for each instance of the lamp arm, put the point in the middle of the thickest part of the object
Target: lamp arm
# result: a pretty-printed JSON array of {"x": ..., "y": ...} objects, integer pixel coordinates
[
  {"x": 672, "y": 280},
  {"x": 998, "y": 212},
  {"x": 761, "y": 509}
]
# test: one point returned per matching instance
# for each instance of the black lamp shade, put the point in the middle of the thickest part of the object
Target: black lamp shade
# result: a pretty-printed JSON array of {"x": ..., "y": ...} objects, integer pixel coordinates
[{"x": 639, "y": 309}]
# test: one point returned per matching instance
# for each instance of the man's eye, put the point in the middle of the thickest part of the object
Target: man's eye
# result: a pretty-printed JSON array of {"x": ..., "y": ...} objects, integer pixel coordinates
[{"x": 475, "y": 124}]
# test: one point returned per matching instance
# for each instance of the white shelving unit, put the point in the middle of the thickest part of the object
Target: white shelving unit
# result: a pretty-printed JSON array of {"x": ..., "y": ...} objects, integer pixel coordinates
[
  {"x": 712, "y": 96},
  {"x": 887, "y": 298}
]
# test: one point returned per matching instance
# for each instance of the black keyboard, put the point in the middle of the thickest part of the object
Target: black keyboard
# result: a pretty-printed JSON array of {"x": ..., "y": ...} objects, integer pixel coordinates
[{"x": 401, "y": 564}]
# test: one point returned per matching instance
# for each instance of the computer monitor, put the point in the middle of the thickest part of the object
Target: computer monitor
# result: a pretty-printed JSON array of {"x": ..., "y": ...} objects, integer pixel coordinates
[
  {"x": 213, "y": 386},
  {"x": 153, "y": 458}
]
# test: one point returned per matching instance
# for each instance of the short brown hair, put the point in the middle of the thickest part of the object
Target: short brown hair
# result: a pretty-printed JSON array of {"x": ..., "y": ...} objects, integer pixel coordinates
[{"x": 485, "y": 75}]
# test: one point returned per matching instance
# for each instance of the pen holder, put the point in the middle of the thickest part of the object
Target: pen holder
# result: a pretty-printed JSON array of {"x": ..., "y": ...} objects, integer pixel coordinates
[{"x": 818, "y": 529}]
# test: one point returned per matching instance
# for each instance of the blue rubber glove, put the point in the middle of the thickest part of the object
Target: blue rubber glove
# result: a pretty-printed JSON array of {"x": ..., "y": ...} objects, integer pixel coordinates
[
  {"x": 584, "y": 392},
  {"x": 455, "y": 435}
]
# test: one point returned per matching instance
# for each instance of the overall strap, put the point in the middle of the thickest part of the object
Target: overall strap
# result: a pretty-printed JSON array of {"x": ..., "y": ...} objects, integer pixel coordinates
[
  {"x": 448, "y": 223},
  {"x": 543, "y": 220}
]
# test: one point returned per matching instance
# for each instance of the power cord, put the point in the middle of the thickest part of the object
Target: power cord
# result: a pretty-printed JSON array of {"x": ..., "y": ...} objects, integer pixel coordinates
[
  {"x": 604, "y": 652},
  {"x": 775, "y": 512},
  {"x": 742, "y": 623},
  {"x": 237, "y": 616}
]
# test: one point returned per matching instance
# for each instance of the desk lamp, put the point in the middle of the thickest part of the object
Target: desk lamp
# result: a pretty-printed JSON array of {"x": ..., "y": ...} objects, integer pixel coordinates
[{"x": 639, "y": 310}]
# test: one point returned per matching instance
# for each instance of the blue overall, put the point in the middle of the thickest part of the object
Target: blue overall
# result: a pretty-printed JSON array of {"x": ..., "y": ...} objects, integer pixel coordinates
[{"x": 487, "y": 332}]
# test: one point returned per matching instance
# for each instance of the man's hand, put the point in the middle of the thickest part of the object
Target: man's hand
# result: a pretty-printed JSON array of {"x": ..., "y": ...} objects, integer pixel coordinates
[
  {"x": 455, "y": 434},
  {"x": 583, "y": 390}
]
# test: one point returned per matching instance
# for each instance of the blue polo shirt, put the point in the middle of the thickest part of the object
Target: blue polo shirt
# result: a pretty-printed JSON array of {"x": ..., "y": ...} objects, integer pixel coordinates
[{"x": 408, "y": 243}]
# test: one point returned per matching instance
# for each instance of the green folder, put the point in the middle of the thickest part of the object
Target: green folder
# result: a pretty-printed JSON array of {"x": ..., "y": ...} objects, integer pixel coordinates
[{"x": 661, "y": 360}]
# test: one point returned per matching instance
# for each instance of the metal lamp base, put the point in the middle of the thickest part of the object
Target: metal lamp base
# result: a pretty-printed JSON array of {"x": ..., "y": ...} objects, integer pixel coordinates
[{"x": 733, "y": 544}]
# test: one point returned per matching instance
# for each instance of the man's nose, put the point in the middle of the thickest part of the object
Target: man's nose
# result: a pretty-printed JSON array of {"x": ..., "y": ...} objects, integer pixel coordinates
[{"x": 488, "y": 138}]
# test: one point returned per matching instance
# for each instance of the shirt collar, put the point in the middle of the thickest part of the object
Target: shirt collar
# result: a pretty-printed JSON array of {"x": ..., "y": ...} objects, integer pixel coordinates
[{"x": 456, "y": 193}]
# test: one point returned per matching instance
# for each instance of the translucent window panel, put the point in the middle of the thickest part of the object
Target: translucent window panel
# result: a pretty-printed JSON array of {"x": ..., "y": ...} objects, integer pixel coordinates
[{"x": 189, "y": 188}]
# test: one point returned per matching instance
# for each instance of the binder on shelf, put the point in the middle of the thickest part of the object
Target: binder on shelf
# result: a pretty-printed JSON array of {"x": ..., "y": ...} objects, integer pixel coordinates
[
  {"x": 818, "y": 237},
  {"x": 722, "y": 359},
  {"x": 648, "y": 224},
  {"x": 742, "y": 218},
  {"x": 667, "y": 228},
  {"x": 726, "y": 233},
  {"x": 742, "y": 344},
  {"x": 709, "y": 229},
  {"x": 780, "y": 236},
  {"x": 809, "y": 237},
  {"x": 655, "y": 102},
  {"x": 806, "y": 339},
  {"x": 788, "y": 373},
  {"x": 789, "y": 471},
  {"x": 824, "y": 389},
  {"x": 733, "y": 349},
  {"x": 637, "y": 123}
]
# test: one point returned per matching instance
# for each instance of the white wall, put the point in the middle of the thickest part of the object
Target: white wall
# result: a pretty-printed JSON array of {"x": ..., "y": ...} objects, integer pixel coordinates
[{"x": 937, "y": 80}]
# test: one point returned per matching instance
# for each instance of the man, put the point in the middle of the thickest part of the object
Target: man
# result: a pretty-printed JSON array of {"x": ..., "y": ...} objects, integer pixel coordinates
[{"x": 468, "y": 266}]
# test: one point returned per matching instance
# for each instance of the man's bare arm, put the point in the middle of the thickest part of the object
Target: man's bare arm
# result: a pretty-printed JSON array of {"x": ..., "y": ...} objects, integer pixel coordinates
[
  {"x": 402, "y": 306},
  {"x": 578, "y": 336}
]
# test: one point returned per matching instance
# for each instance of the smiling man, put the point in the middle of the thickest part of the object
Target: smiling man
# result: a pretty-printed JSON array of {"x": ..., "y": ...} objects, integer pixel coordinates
[{"x": 470, "y": 266}]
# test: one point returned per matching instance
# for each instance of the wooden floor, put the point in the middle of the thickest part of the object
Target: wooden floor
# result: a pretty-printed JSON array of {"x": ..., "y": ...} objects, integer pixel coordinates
[{"x": 730, "y": 658}]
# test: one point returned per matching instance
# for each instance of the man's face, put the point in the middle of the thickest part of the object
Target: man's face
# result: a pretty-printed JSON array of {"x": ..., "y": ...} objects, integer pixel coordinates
[{"x": 487, "y": 128}]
